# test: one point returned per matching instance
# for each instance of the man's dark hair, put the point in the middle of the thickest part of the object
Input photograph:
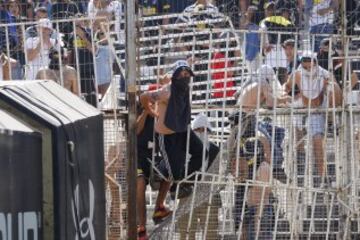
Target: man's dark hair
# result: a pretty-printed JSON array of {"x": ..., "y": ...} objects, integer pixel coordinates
[{"x": 54, "y": 56}]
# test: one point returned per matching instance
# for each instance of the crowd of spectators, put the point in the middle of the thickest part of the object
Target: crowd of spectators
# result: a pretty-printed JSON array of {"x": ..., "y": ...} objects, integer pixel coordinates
[
  {"x": 29, "y": 47},
  {"x": 77, "y": 53}
]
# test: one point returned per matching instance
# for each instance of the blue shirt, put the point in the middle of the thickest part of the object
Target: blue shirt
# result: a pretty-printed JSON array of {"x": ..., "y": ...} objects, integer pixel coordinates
[
  {"x": 6, "y": 18},
  {"x": 252, "y": 47}
]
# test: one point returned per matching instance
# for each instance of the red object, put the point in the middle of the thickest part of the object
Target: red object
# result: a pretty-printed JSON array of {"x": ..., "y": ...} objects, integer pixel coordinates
[
  {"x": 154, "y": 86},
  {"x": 219, "y": 62}
]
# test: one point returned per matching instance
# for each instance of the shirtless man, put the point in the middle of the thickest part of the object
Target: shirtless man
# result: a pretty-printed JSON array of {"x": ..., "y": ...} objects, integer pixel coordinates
[
  {"x": 69, "y": 74},
  {"x": 316, "y": 91},
  {"x": 172, "y": 120},
  {"x": 265, "y": 88},
  {"x": 262, "y": 91}
]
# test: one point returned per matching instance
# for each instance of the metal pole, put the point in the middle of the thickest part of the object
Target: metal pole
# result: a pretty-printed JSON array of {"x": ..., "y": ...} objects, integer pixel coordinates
[{"x": 130, "y": 21}]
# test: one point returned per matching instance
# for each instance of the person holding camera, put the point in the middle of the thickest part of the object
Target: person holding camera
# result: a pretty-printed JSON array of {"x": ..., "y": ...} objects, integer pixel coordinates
[{"x": 38, "y": 48}]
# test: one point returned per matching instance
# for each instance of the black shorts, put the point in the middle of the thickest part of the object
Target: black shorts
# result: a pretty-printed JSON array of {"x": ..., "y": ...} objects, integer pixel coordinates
[
  {"x": 144, "y": 166},
  {"x": 173, "y": 150}
]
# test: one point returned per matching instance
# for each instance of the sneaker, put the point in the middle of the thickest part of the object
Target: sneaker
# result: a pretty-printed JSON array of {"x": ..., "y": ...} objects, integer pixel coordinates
[
  {"x": 141, "y": 232},
  {"x": 160, "y": 214}
]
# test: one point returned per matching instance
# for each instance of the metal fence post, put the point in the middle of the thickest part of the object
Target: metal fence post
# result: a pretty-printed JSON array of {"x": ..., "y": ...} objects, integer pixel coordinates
[{"x": 130, "y": 21}]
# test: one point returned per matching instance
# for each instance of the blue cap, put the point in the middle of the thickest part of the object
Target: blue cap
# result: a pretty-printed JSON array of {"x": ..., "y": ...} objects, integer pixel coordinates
[{"x": 182, "y": 65}]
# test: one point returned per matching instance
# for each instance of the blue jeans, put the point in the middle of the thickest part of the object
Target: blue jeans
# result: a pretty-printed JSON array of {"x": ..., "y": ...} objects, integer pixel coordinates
[
  {"x": 104, "y": 61},
  {"x": 325, "y": 28}
]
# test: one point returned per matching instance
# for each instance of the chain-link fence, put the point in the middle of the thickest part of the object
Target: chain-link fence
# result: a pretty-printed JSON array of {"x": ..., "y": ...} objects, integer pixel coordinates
[{"x": 276, "y": 81}]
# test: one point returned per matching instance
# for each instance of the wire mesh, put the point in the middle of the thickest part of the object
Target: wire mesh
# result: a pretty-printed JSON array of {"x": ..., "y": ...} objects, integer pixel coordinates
[
  {"x": 115, "y": 175},
  {"x": 283, "y": 171}
]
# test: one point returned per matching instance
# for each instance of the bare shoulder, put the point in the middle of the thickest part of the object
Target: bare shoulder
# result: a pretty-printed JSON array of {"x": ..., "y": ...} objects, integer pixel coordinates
[
  {"x": 161, "y": 94},
  {"x": 297, "y": 77}
]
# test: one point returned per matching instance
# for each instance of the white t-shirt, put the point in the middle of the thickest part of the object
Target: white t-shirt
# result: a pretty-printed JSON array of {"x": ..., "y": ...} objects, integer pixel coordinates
[
  {"x": 116, "y": 9},
  {"x": 42, "y": 60},
  {"x": 276, "y": 57},
  {"x": 316, "y": 19}
]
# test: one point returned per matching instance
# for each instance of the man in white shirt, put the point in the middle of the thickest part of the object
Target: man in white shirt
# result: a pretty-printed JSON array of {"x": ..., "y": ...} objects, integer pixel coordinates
[
  {"x": 322, "y": 18},
  {"x": 37, "y": 48}
]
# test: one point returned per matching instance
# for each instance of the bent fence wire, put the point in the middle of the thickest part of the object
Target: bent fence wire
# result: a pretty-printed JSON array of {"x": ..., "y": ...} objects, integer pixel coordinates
[{"x": 283, "y": 170}]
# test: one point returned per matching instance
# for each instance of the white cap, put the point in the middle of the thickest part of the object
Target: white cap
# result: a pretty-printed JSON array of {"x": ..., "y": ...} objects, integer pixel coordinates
[
  {"x": 308, "y": 54},
  {"x": 45, "y": 23},
  {"x": 201, "y": 121}
]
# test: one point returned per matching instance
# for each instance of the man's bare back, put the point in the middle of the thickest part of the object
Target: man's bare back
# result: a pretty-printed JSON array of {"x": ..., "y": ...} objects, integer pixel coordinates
[{"x": 69, "y": 78}]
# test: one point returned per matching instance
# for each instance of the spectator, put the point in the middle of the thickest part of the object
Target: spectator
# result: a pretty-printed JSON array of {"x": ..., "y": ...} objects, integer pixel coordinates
[
  {"x": 47, "y": 4},
  {"x": 104, "y": 61},
  {"x": 64, "y": 9},
  {"x": 27, "y": 9},
  {"x": 261, "y": 5},
  {"x": 113, "y": 9},
  {"x": 293, "y": 6},
  {"x": 270, "y": 91},
  {"x": 252, "y": 40},
  {"x": 274, "y": 52},
  {"x": 82, "y": 6},
  {"x": 269, "y": 9},
  {"x": 6, "y": 18},
  {"x": 324, "y": 53},
  {"x": 38, "y": 48},
  {"x": 250, "y": 157},
  {"x": 313, "y": 82},
  {"x": 322, "y": 20},
  {"x": 59, "y": 73},
  {"x": 240, "y": 7},
  {"x": 81, "y": 41},
  {"x": 338, "y": 65},
  {"x": 292, "y": 57},
  {"x": 17, "y": 51},
  {"x": 253, "y": 203},
  {"x": 145, "y": 135},
  {"x": 40, "y": 13}
]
